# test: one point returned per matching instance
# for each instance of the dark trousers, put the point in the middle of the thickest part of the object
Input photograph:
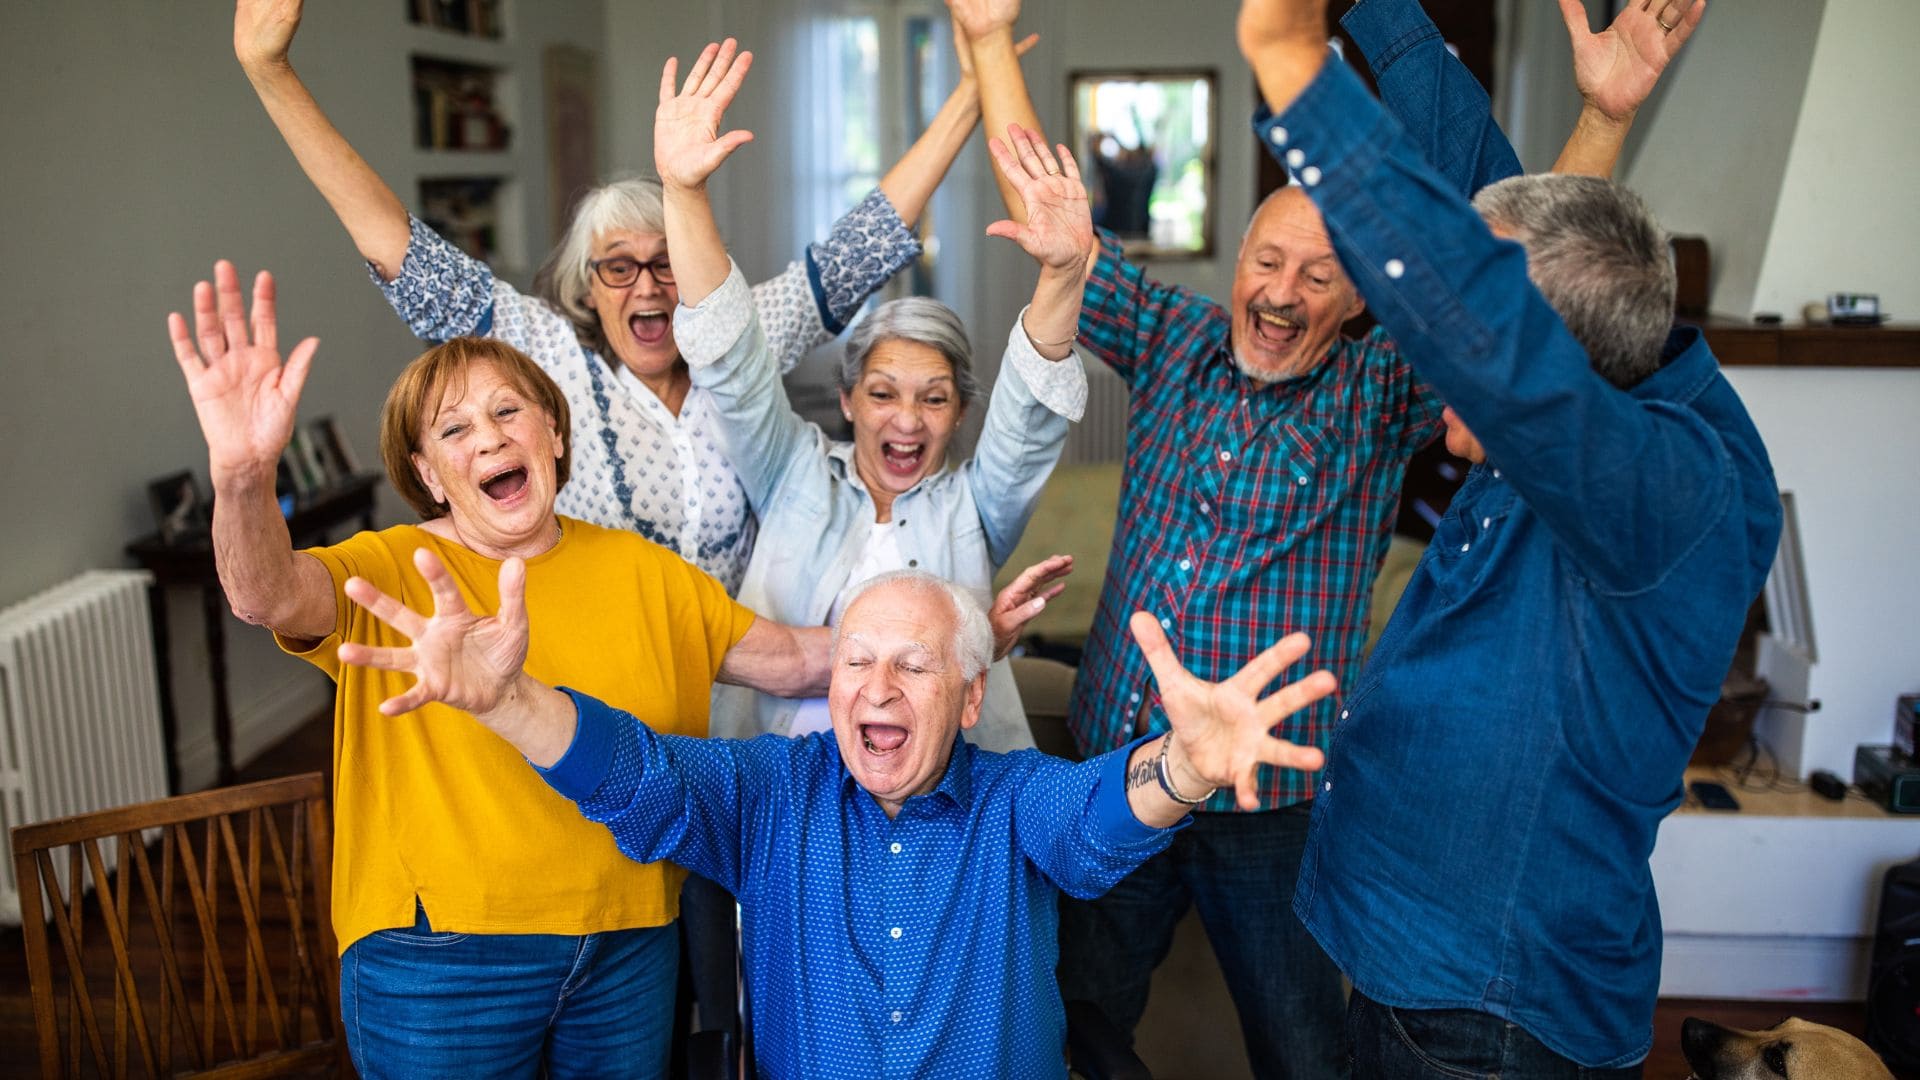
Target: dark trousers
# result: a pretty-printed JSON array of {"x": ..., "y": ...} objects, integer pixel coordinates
[
  {"x": 1238, "y": 870},
  {"x": 1453, "y": 1044},
  {"x": 710, "y": 943}
]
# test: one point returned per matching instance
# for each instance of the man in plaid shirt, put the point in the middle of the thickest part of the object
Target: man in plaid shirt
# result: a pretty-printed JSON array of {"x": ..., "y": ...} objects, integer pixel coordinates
[{"x": 1265, "y": 455}]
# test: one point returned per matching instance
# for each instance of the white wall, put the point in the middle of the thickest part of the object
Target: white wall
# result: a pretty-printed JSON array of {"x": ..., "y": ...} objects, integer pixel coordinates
[
  {"x": 1710, "y": 148},
  {"x": 137, "y": 154},
  {"x": 1847, "y": 219},
  {"x": 1844, "y": 442}
]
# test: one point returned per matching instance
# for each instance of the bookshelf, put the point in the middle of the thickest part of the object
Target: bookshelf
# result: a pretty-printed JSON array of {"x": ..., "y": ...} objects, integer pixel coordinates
[{"x": 468, "y": 153}]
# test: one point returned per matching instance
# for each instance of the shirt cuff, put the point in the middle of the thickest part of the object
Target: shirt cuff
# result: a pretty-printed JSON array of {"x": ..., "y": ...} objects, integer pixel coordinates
[
  {"x": 441, "y": 291},
  {"x": 705, "y": 333},
  {"x": 1386, "y": 30},
  {"x": 868, "y": 245},
  {"x": 1060, "y": 385},
  {"x": 589, "y": 757},
  {"x": 1112, "y": 814},
  {"x": 1331, "y": 125}
]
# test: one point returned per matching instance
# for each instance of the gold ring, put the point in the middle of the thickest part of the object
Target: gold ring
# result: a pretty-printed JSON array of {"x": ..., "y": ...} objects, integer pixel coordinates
[{"x": 1664, "y": 26}]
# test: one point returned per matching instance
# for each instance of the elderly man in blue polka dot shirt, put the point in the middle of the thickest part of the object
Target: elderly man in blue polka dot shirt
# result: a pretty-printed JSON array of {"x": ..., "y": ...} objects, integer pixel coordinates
[{"x": 897, "y": 884}]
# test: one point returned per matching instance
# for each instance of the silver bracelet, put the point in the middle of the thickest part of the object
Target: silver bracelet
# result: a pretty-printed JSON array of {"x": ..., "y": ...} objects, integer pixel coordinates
[{"x": 1165, "y": 775}]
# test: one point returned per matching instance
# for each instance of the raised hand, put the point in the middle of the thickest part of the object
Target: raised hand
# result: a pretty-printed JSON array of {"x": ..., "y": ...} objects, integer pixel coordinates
[
  {"x": 1617, "y": 68},
  {"x": 1025, "y": 598},
  {"x": 963, "y": 51},
  {"x": 1224, "y": 730},
  {"x": 1059, "y": 227},
  {"x": 263, "y": 30},
  {"x": 978, "y": 18},
  {"x": 244, "y": 396},
  {"x": 457, "y": 658},
  {"x": 687, "y": 144}
]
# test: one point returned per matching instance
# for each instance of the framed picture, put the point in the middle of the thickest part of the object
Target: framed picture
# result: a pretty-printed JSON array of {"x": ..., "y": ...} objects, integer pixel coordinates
[
  {"x": 180, "y": 510},
  {"x": 1145, "y": 141},
  {"x": 303, "y": 461},
  {"x": 336, "y": 458}
]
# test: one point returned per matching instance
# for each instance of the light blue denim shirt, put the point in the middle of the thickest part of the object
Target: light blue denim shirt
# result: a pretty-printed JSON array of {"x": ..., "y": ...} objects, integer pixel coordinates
[{"x": 815, "y": 513}]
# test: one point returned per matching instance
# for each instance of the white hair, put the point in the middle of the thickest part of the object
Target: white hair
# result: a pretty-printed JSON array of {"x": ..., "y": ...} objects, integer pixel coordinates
[
  {"x": 565, "y": 280},
  {"x": 973, "y": 635}
]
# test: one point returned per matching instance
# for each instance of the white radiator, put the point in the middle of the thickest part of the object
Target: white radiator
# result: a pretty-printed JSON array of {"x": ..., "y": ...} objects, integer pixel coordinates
[
  {"x": 1101, "y": 435},
  {"x": 79, "y": 707}
]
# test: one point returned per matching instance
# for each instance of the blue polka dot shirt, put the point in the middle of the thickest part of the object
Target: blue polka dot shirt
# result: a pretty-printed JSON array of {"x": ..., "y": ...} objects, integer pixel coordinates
[{"x": 918, "y": 946}]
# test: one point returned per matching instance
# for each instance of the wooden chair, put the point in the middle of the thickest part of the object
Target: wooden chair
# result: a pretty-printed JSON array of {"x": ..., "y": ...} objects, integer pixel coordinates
[{"x": 253, "y": 995}]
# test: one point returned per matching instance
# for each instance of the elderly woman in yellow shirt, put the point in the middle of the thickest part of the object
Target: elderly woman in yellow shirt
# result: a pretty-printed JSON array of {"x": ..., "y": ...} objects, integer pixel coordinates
[{"x": 486, "y": 927}]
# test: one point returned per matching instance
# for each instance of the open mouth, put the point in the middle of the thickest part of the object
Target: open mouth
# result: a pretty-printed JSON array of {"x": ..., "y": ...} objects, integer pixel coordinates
[
  {"x": 649, "y": 327},
  {"x": 882, "y": 739},
  {"x": 903, "y": 459},
  {"x": 1274, "y": 330},
  {"x": 503, "y": 486}
]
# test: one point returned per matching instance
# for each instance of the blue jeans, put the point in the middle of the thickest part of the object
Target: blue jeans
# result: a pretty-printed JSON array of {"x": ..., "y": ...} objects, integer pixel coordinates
[
  {"x": 1453, "y": 1044},
  {"x": 416, "y": 1003},
  {"x": 1238, "y": 870}
]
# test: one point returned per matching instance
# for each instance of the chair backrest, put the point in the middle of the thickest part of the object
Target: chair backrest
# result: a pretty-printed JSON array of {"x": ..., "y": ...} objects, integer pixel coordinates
[{"x": 228, "y": 971}]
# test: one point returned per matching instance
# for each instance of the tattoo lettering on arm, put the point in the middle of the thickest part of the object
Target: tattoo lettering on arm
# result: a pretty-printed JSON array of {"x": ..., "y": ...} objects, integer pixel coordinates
[{"x": 1142, "y": 773}]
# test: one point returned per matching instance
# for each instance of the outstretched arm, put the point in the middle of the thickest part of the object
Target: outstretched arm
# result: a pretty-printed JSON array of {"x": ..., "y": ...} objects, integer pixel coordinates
[
  {"x": 914, "y": 178},
  {"x": 1222, "y": 732},
  {"x": 373, "y": 215},
  {"x": 687, "y": 148},
  {"x": 1615, "y": 70},
  {"x": 245, "y": 399},
  {"x": 987, "y": 26}
]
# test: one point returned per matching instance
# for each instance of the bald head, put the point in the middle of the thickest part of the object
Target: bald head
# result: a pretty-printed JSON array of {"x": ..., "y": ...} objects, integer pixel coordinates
[{"x": 1289, "y": 294}]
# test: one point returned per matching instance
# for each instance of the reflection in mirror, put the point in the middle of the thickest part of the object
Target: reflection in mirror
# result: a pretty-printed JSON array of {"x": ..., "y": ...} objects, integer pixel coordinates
[{"x": 1145, "y": 141}]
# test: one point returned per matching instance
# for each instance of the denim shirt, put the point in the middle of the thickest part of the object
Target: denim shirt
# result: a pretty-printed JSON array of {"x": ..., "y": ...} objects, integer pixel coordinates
[
  {"x": 815, "y": 513},
  {"x": 1481, "y": 832}
]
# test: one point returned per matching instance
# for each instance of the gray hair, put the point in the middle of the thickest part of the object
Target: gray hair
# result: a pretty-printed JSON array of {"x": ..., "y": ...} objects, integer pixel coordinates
[
  {"x": 918, "y": 319},
  {"x": 973, "y": 634},
  {"x": 565, "y": 280},
  {"x": 1596, "y": 253}
]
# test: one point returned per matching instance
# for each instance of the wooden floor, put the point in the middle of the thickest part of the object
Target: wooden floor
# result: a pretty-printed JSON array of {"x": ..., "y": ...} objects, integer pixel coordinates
[{"x": 310, "y": 748}]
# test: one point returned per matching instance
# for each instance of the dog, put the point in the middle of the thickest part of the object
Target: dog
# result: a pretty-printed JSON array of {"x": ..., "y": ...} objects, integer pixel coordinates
[{"x": 1791, "y": 1050}]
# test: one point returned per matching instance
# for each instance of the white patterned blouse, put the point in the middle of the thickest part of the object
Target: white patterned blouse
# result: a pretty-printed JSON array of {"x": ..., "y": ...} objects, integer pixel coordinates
[{"x": 635, "y": 465}]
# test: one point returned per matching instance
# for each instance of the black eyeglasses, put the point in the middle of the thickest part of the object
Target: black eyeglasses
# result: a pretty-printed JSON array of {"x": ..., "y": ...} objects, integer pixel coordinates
[{"x": 621, "y": 271}]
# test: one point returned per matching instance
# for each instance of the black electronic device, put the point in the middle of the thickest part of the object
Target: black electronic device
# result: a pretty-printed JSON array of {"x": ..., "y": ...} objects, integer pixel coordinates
[
  {"x": 1827, "y": 785},
  {"x": 1893, "y": 987},
  {"x": 1888, "y": 778},
  {"x": 1713, "y": 796}
]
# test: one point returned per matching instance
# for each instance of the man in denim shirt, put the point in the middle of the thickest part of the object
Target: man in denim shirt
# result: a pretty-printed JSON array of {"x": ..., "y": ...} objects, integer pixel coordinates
[{"x": 1478, "y": 858}]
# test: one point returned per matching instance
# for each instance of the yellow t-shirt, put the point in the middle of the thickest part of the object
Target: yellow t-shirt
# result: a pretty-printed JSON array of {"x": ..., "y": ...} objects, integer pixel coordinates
[{"x": 431, "y": 804}]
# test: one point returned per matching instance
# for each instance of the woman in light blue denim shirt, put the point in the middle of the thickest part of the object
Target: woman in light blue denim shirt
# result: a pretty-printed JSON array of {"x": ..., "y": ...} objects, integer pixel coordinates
[{"x": 832, "y": 513}]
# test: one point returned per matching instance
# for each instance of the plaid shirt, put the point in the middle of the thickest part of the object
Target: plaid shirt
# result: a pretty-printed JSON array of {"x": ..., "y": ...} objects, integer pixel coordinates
[{"x": 1249, "y": 511}]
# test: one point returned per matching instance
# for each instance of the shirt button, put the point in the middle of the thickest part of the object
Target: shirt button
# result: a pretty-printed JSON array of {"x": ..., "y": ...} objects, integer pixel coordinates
[
  {"x": 1206, "y": 507},
  {"x": 1328, "y": 787},
  {"x": 1224, "y": 456},
  {"x": 895, "y": 848},
  {"x": 1343, "y": 716},
  {"x": 1278, "y": 134},
  {"x": 1310, "y": 175},
  {"x": 1296, "y": 157},
  {"x": 1395, "y": 268},
  {"x": 896, "y": 933},
  {"x": 1185, "y": 565},
  {"x": 1166, "y": 624},
  {"x": 1464, "y": 547},
  {"x": 913, "y": 562},
  {"x": 1133, "y": 699},
  {"x": 1486, "y": 522},
  {"x": 1301, "y": 480},
  {"x": 896, "y": 1016},
  {"x": 1496, "y": 474}
]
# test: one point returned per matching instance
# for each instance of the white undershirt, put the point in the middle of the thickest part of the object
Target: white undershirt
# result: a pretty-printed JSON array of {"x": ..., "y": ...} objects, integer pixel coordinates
[{"x": 881, "y": 554}]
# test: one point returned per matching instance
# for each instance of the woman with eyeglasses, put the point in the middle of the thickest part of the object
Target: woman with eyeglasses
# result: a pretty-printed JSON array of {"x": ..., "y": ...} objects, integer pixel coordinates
[{"x": 646, "y": 454}]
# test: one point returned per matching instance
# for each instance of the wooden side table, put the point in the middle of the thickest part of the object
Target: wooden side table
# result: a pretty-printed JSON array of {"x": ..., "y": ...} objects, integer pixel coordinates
[{"x": 190, "y": 563}]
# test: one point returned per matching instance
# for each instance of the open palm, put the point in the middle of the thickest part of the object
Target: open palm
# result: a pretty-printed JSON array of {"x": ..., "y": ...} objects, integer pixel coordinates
[
  {"x": 457, "y": 657},
  {"x": 244, "y": 396},
  {"x": 1059, "y": 227},
  {"x": 1617, "y": 68},
  {"x": 1226, "y": 728},
  {"x": 687, "y": 144}
]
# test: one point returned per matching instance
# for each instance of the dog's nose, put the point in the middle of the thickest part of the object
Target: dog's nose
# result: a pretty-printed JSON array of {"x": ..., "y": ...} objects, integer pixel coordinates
[{"x": 1700, "y": 1042}]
